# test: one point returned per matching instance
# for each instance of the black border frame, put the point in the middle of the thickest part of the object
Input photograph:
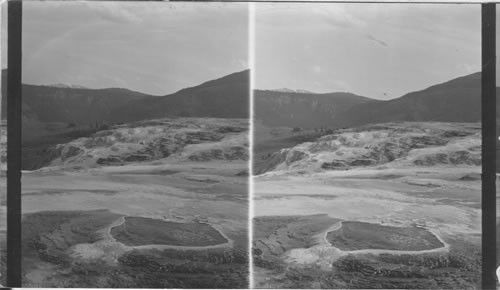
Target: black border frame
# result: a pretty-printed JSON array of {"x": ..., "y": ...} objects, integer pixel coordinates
[
  {"x": 488, "y": 105},
  {"x": 14, "y": 110},
  {"x": 488, "y": 156}
]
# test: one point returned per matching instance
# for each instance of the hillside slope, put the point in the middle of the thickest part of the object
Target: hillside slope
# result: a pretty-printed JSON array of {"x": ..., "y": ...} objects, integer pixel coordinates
[
  {"x": 458, "y": 100},
  {"x": 79, "y": 106},
  {"x": 306, "y": 110},
  {"x": 226, "y": 97},
  {"x": 180, "y": 140},
  {"x": 404, "y": 144},
  {"x": 69, "y": 104}
]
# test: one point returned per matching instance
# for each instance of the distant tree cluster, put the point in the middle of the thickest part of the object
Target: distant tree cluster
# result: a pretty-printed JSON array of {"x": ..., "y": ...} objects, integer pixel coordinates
[
  {"x": 99, "y": 125},
  {"x": 323, "y": 130},
  {"x": 92, "y": 125}
]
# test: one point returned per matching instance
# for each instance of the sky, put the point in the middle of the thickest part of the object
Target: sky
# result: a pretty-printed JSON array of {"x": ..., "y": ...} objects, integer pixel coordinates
[
  {"x": 381, "y": 51},
  {"x": 150, "y": 47}
]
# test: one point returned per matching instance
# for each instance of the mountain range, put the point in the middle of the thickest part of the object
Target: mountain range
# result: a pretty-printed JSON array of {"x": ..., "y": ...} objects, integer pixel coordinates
[
  {"x": 306, "y": 110},
  {"x": 457, "y": 100},
  {"x": 287, "y": 90},
  {"x": 226, "y": 97}
]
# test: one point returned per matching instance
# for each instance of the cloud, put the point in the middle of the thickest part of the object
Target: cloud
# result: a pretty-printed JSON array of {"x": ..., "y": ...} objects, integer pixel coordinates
[
  {"x": 113, "y": 12},
  {"x": 306, "y": 16},
  {"x": 371, "y": 37},
  {"x": 338, "y": 16}
]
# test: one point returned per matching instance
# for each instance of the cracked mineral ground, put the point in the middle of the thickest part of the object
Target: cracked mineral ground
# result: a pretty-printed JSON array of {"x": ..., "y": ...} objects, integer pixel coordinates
[
  {"x": 150, "y": 204},
  {"x": 390, "y": 205}
]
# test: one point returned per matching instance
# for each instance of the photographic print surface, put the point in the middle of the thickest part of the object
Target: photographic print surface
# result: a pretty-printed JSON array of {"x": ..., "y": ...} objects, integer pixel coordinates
[
  {"x": 367, "y": 146},
  {"x": 135, "y": 145}
]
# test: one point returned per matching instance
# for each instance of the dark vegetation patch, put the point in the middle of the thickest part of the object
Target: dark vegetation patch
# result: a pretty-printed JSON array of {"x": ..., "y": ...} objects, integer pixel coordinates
[
  {"x": 46, "y": 235},
  {"x": 455, "y": 270},
  {"x": 359, "y": 235},
  {"x": 471, "y": 177},
  {"x": 153, "y": 172},
  {"x": 460, "y": 268},
  {"x": 204, "y": 180},
  {"x": 137, "y": 231},
  {"x": 335, "y": 165},
  {"x": 452, "y": 134},
  {"x": 207, "y": 269},
  {"x": 39, "y": 152},
  {"x": 213, "y": 268},
  {"x": 289, "y": 156},
  {"x": 428, "y": 184},
  {"x": 264, "y": 149},
  {"x": 231, "y": 129},
  {"x": 243, "y": 173}
]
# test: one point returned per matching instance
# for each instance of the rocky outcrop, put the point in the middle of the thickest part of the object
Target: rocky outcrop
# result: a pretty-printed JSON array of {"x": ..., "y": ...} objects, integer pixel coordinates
[
  {"x": 229, "y": 129},
  {"x": 157, "y": 139},
  {"x": 454, "y": 158},
  {"x": 283, "y": 157},
  {"x": 70, "y": 151},
  {"x": 399, "y": 144},
  {"x": 231, "y": 153}
]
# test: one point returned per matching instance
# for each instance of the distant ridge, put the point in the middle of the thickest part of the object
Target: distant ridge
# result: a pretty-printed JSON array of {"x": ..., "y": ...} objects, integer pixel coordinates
[
  {"x": 306, "y": 110},
  {"x": 67, "y": 86},
  {"x": 457, "y": 100},
  {"x": 226, "y": 97},
  {"x": 287, "y": 90}
]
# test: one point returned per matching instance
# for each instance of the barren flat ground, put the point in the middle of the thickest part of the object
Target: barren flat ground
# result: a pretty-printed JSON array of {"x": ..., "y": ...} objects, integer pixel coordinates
[
  {"x": 351, "y": 210},
  {"x": 92, "y": 218}
]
